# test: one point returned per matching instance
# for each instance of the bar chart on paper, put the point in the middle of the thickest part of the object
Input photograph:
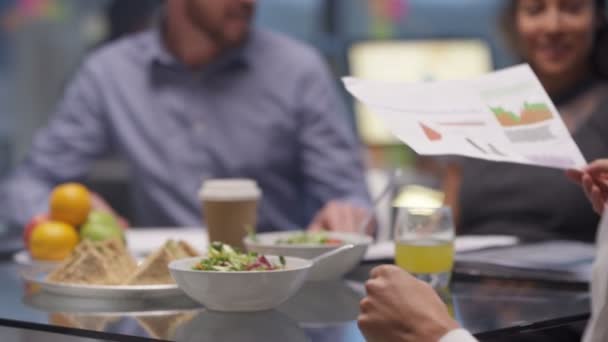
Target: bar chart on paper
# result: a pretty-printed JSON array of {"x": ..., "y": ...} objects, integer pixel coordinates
[
  {"x": 502, "y": 116},
  {"x": 529, "y": 114}
]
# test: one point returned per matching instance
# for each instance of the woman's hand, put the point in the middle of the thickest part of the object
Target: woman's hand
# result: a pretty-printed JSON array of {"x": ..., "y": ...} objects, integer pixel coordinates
[{"x": 594, "y": 181}]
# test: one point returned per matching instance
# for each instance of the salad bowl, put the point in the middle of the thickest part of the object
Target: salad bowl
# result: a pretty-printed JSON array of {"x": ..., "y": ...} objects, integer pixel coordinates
[
  {"x": 308, "y": 245},
  {"x": 234, "y": 286}
]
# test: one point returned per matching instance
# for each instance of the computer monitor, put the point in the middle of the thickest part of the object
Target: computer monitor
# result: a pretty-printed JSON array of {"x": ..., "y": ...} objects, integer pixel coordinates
[{"x": 411, "y": 61}]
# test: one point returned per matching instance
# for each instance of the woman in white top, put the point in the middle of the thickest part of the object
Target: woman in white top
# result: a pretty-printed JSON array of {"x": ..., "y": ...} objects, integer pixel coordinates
[
  {"x": 558, "y": 34},
  {"x": 389, "y": 315}
]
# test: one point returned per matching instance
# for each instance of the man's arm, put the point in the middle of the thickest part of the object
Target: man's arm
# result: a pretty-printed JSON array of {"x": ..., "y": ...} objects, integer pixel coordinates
[
  {"x": 63, "y": 151},
  {"x": 330, "y": 154},
  {"x": 401, "y": 308}
]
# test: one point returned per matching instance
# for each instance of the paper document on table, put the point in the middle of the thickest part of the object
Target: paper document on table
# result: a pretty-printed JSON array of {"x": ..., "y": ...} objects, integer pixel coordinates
[
  {"x": 550, "y": 260},
  {"x": 501, "y": 116}
]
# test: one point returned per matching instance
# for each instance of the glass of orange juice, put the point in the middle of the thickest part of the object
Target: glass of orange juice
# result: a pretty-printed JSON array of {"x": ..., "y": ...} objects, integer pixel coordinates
[{"x": 424, "y": 243}]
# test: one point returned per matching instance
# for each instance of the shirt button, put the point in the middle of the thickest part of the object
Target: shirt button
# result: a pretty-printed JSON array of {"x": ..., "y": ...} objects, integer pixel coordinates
[{"x": 199, "y": 128}]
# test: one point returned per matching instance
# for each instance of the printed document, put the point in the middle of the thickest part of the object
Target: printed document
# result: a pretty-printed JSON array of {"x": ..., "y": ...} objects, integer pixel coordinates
[{"x": 502, "y": 116}]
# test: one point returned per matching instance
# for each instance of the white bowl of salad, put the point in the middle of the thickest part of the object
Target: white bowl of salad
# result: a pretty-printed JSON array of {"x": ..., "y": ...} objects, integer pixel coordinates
[
  {"x": 308, "y": 245},
  {"x": 231, "y": 281}
]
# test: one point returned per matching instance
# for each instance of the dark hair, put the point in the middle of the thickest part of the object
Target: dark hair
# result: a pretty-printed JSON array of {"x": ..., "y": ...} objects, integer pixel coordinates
[{"x": 599, "y": 53}]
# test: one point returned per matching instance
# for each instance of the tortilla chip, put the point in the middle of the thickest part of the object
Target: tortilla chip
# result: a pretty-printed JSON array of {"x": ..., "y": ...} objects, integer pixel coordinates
[{"x": 154, "y": 270}]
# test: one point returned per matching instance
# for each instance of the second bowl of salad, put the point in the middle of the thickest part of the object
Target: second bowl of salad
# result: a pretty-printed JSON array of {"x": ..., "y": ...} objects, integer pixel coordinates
[{"x": 308, "y": 245}]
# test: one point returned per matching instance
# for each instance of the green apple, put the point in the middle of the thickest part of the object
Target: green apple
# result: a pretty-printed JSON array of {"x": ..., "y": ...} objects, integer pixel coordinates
[
  {"x": 102, "y": 217},
  {"x": 100, "y": 232},
  {"x": 101, "y": 226}
]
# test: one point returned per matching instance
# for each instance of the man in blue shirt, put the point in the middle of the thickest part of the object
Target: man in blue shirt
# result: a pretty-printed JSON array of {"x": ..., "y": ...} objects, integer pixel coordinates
[{"x": 203, "y": 96}]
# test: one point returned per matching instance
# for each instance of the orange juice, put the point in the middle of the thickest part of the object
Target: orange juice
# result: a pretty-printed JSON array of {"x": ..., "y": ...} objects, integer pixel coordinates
[{"x": 425, "y": 256}]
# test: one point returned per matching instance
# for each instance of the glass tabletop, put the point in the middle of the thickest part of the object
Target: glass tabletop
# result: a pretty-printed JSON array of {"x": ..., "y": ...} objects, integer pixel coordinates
[{"x": 318, "y": 312}]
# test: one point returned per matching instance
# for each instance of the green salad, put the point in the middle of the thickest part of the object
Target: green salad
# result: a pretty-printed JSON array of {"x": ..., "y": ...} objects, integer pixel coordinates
[
  {"x": 309, "y": 238},
  {"x": 223, "y": 258}
]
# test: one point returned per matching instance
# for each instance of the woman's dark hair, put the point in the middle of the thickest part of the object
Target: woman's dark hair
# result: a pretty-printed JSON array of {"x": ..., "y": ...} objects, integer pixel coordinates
[{"x": 599, "y": 53}]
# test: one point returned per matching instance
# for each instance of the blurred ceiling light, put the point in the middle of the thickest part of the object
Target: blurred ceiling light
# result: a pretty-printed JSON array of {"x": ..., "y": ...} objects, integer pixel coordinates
[{"x": 414, "y": 196}]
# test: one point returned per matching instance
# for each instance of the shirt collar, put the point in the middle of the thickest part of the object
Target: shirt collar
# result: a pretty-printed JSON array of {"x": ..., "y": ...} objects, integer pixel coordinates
[{"x": 160, "y": 55}]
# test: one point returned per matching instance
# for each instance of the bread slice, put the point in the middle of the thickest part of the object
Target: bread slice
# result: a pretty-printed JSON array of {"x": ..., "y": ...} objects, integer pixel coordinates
[
  {"x": 70, "y": 263},
  {"x": 109, "y": 263},
  {"x": 116, "y": 254},
  {"x": 188, "y": 249},
  {"x": 87, "y": 322},
  {"x": 164, "y": 326},
  {"x": 180, "y": 249},
  {"x": 91, "y": 322},
  {"x": 154, "y": 270},
  {"x": 85, "y": 266}
]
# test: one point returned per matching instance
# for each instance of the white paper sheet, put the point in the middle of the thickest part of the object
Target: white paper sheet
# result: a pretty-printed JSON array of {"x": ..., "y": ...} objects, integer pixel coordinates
[{"x": 501, "y": 116}]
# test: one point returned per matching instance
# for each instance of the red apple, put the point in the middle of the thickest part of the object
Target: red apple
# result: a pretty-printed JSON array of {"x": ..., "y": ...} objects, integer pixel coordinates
[{"x": 29, "y": 228}]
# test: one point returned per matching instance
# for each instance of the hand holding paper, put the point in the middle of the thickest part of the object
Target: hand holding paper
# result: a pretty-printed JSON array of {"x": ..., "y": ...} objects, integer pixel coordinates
[
  {"x": 502, "y": 116},
  {"x": 594, "y": 180}
]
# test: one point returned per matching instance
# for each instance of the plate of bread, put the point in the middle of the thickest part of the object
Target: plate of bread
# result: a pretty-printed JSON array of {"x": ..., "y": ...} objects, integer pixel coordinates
[{"x": 108, "y": 270}]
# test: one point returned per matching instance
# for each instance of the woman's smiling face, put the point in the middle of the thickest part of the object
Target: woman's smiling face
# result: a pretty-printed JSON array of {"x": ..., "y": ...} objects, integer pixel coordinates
[{"x": 556, "y": 36}]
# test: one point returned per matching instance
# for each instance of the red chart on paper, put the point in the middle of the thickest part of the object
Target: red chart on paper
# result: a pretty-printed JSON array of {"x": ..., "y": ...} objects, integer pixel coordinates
[{"x": 430, "y": 133}]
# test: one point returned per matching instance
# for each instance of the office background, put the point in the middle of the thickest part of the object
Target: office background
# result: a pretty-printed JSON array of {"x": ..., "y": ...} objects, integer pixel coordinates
[{"x": 42, "y": 43}]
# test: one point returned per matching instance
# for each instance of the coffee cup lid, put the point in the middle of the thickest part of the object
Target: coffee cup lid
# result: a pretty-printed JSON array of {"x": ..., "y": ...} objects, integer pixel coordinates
[{"x": 230, "y": 189}]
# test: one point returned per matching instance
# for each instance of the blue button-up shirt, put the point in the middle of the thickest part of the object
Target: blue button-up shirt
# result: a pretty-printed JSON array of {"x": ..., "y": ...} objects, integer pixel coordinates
[{"x": 268, "y": 111}]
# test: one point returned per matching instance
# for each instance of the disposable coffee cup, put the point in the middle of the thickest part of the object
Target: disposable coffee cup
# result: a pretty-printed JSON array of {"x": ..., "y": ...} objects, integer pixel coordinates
[{"x": 229, "y": 209}]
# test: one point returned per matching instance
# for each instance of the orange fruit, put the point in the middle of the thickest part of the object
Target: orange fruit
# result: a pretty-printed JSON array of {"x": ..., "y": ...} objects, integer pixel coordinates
[
  {"x": 53, "y": 240},
  {"x": 70, "y": 203}
]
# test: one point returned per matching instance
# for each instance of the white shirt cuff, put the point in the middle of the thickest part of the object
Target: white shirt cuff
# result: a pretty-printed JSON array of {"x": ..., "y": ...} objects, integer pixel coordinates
[{"x": 458, "y": 335}]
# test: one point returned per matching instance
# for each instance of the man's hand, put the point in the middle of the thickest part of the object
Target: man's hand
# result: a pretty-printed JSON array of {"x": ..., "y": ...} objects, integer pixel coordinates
[
  {"x": 340, "y": 216},
  {"x": 594, "y": 181},
  {"x": 399, "y": 307}
]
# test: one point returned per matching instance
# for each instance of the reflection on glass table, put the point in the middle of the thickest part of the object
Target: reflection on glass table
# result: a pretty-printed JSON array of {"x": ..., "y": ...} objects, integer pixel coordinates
[
  {"x": 271, "y": 326},
  {"x": 23, "y": 334},
  {"x": 156, "y": 318},
  {"x": 325, "y": 303},
  {"x": 49, "y": 302},
  {"x": 319, "y": 312},
  {"x": 492, "y": 305}
]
